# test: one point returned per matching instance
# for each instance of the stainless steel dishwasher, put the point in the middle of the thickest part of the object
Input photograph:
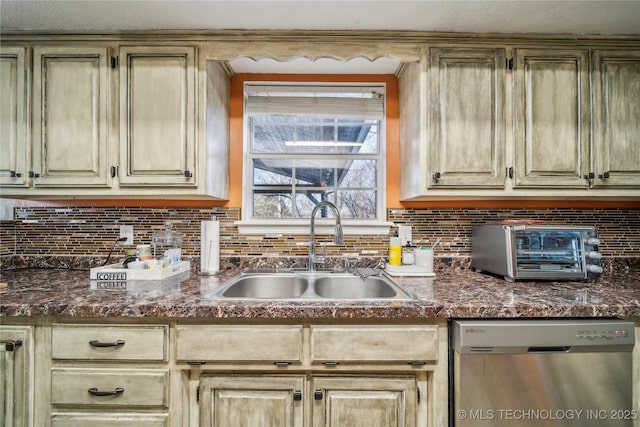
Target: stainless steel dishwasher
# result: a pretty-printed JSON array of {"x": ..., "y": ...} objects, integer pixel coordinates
[{"x": 525, "y": 373}]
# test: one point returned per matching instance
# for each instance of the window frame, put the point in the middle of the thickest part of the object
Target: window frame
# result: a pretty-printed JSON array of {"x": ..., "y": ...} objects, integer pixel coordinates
[{"x": 250, "y": 225}]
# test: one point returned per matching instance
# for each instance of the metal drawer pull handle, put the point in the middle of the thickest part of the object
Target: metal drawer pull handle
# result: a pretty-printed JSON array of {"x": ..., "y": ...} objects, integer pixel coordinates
[
  {"x": 96, "y": 343},
  {"x": 94, "y": 392}
]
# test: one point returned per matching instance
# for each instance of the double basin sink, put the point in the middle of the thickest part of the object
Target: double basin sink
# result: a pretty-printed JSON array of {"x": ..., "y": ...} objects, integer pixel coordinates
[{"x": 308, "y": 286}]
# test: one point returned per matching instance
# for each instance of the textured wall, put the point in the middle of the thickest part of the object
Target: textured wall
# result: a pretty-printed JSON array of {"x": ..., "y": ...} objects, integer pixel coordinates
[{"x": 91, "y": 231}]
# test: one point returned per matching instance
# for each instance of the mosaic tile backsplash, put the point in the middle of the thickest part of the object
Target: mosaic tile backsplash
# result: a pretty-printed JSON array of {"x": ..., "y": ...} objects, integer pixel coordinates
[{"x": 91, "y": 231}]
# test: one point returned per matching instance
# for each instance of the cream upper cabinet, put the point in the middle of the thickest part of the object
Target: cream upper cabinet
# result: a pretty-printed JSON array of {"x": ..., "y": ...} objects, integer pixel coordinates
[
  {"x": 516, "y": 121},
  {"x": 452, "y": 122},
  {"x": 13, "y": 117},
  {"x": 113, "y": 120},
  {"x": 552, "y": 120},
  {"x": 157, "y": 116},
  {"x": 465, "y": 117},
  {"x": 70, "y": 137},
  {"x": 616, "y": 83}
]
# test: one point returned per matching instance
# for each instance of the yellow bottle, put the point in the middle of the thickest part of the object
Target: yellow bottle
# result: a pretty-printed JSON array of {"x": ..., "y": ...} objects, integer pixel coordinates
[{"x": 395, "y": 251}]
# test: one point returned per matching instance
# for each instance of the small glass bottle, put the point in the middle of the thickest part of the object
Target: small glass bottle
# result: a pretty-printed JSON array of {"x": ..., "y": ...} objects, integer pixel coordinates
[
  {"x": 408, "y": 255},
  {"x": 143, "y": 252}
]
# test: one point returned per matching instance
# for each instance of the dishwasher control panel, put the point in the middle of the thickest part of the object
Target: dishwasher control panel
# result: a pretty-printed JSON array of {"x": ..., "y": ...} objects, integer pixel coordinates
[
  {"x": 593, "y": 335},
  {"x": 527, "y": 335}
]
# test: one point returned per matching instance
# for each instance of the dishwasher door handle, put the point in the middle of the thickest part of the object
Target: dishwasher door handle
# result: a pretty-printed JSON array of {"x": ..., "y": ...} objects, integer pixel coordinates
[{"x": 549, "y": 349}]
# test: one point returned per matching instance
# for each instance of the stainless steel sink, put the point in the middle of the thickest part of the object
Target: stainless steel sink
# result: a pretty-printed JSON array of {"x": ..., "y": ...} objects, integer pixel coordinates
[
  {"x": 269, "y": 286},
  {"x": 308, "y": 286},
  {"x": 353, "y": 287}
]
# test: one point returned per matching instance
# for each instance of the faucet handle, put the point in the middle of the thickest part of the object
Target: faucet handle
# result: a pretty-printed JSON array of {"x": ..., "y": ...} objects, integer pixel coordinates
[{"x": 348, "y": 259}]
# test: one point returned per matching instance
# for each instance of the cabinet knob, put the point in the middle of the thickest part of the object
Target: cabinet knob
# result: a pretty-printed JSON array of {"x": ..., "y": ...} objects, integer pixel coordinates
[
  {"x": 14, "y": 174},
  {"x": 318, "y": 394},
  {"x": 188, "y": 174},
  {"x": 32, "y": 174},
  {"x": 297, "y": 395},
  {"x": 12, "y": 345},
  {"x": 604, "y": 175},
  {"x": 590, "y": 175},
  {"x": 436, "y": 176}
]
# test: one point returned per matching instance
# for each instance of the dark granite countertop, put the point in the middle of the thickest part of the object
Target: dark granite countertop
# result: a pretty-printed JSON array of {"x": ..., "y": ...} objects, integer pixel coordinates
[{"x": 452, "y": 293}]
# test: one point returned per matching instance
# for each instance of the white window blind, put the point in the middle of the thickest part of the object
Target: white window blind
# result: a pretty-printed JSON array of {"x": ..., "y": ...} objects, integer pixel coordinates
[{"x": 331, "y": 101}]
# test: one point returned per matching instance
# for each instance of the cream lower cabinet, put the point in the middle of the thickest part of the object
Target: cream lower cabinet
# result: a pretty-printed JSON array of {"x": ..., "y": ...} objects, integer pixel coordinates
[
  {"x": 310, "y": 375},
  {"x": 109, "y": 375},
  {"x": 267, "y": 400},
  {"x": 364, "y": 401},
  {"x": 245, "y": 401},
  {"x": 16, "y": 376}
]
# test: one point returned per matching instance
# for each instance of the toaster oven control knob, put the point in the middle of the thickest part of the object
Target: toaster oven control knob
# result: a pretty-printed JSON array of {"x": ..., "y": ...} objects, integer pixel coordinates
[
  {"x": 593, "y": 241},
  {"x": 591, "y": 268},
  {"x": 594, "y": 255}
]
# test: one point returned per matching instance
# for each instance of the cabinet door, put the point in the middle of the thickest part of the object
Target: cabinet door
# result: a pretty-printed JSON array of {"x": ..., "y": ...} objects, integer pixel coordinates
[
  {"x": 552, "y": 118},
  {"x": 617, "y": 118},
  {"x": 16, "y": 375},
  {"x": 70, "y": 117},
  {"x": 466, "y": 117},
  {"x": 157, "y": 116},
  {"x": 364, "y": 402},
  {"x": 242, "y": 401},
  {"x": 13, "y": 117}
]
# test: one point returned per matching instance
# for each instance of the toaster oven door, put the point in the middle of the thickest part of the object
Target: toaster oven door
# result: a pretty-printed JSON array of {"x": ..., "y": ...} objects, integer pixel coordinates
[{"x": 549, "y": 253}]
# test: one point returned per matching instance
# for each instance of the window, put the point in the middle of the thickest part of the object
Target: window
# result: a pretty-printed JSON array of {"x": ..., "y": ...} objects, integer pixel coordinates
[{"x": 309, "y": 143}]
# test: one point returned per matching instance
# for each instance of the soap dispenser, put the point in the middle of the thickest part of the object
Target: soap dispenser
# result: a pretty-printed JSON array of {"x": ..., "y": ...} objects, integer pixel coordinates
[{"x": 395, "y": 251}]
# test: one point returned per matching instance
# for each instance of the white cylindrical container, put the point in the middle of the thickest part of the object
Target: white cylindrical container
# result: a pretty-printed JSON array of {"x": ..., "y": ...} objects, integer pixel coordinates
[
  {"x": 424, "y": 258},
  {"x": 210, "y": 246}
]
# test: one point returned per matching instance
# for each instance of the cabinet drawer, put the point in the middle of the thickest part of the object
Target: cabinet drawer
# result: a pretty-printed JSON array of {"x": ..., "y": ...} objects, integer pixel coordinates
[
  {"x": 374, "y": 343},
  {"x": 140, "y": 387},
  {"x": 111, "y": 420},
  {"x": 109, "y": 342},
  {"x": 239, "y": 343}
]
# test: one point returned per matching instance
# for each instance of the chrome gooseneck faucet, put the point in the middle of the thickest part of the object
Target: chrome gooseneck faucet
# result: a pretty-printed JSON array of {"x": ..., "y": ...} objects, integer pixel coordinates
[{"x": 338, "y": 237}]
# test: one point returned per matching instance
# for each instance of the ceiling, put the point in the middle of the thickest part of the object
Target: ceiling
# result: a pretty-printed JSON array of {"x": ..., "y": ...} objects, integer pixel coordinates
[{"x": 604, "y": 17}]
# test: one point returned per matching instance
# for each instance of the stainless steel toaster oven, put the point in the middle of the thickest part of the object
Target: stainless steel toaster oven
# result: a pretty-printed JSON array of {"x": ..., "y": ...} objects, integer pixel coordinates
[{"x": 536, "y": 252}]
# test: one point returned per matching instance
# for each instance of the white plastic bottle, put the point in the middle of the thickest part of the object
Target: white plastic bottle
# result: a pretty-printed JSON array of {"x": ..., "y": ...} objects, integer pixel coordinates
[{"x": 210, "y": 246}]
